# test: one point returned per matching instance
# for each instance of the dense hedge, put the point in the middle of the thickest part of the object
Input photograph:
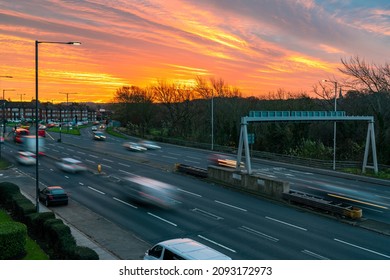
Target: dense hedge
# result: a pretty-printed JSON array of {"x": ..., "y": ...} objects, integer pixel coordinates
[
  {"x": 13, "y": 236},
  {"x": 53, "y": 235}
]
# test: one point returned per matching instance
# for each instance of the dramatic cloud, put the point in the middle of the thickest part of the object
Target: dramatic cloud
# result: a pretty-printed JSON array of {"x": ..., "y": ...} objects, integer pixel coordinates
[{"x": 258, "y": 46}]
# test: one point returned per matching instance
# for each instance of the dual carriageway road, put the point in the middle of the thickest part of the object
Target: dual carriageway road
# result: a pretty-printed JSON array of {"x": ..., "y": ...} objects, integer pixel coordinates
[{"x": 237, "y": 224}]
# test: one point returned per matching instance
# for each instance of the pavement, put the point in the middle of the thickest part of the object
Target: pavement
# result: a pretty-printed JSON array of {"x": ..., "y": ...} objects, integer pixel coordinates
[{"x": 89, "y": 229}]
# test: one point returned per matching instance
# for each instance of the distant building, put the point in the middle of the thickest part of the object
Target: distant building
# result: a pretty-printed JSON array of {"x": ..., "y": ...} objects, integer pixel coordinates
[{"x": 47, "y": 112}]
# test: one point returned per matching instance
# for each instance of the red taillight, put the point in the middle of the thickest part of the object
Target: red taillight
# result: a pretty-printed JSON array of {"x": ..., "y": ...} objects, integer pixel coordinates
[{"x": 50, "y": 197}]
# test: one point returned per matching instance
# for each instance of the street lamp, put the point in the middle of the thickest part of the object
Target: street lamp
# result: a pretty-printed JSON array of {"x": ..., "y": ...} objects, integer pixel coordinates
[
  {"x": 4, "y": 90},
  {"x": 67, "y": 108},
  {"x": 212, "y": 121},
  {"x": 334, "y": 124},
  {"x": 36, "y": 113}
]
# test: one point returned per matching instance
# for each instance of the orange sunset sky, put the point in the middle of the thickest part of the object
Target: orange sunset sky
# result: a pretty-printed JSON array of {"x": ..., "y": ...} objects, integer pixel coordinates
[{"x": 258, "y": 46}]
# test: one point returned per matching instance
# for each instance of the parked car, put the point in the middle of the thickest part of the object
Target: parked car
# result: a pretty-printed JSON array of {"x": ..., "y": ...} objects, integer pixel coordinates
[
  {"x": 183, "y": 249},
  {"x": 71, "y": 165},
  {"x": 53, "y": 195},
  {"x": 98, "y": 135},
  {"x": 26, "y": 158},
  {"x": 150, "y": 145},
  {"x": 135, "y": 147}
]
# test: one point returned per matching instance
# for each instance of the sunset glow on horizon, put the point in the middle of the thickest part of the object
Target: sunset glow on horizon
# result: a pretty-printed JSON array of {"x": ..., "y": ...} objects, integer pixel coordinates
[{"x": 258, "y": 47}]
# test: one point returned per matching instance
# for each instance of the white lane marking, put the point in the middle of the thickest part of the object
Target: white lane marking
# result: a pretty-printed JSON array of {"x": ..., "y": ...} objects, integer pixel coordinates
[
  {"x": 162, "y": 219},
  {"x": 80, "y": 183},
  {"x": 81, "y": 152},
  {"x": 127, "y": 172},
  {"x": 258, "y": 233},
  {"x": 196, "y": 158},
  {"x": 57, "y": 151},
  {"x": 229, "y": 205},
  {"x": 206, "y": 214},
  {"x": 108, "y": 160},
  {"x": 124, "y": 202},
  {"x": 191, "y": 193},
  {"x": 285, "y": 223},
  {"x": 220, "y": 245},
  {"x": 96, "y": 190},
  {"x": 362, "y": 248},
  {"x": 91, "y": 161},
  {"x": 317, "y": 256},
  {"x": 126, "y": 165},
  {"x": 66, "y": 176},
  {"x": 93, "y": 156},
  {"x": 192, "y": 161},
  {"x": 106, "y": 165},
  {"x": 70, "y": 150},
  {"x": 164, "y": 156},
  {"x": 175, "y": 154}
]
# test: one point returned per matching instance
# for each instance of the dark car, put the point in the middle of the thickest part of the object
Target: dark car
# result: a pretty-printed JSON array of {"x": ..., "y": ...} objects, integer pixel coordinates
[{"x": 53, "y": 195}]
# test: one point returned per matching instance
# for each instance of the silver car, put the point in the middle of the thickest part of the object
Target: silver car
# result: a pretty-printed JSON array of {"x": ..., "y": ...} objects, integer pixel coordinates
[{"x": 71, "y": 165}]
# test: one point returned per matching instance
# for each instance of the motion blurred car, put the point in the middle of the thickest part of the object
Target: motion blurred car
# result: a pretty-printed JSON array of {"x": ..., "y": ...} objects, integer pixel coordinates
[
  {"x": 71, "y": 165},
  {"x": 98, "y": 135},
  {"x": 150, "y": 145},
  {"x": 26, "y": 158},
  {"x": 150, "y": 191},
  {"x": 53, "y": 195},
  {"x": 94, "y": 128},
  {"x": 135, "y": 147},
  {"x": 19, "y": 133},
  {"x": 223, "y": 160}
]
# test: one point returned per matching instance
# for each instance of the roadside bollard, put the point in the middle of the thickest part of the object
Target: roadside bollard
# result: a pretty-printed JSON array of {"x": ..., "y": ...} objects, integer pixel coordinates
[{"x": 99, "y": 167}]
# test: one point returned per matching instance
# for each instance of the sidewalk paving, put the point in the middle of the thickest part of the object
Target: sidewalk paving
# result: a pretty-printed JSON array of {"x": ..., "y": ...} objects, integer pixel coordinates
[{"x": 89, "y": 229}]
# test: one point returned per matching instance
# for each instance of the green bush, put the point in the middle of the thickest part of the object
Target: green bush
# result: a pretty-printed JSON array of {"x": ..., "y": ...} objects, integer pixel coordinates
[
  {"x": 37, "y": 221},
  {"x": 7, "y": 190},
  {"x": 22, "y": 207},
  {"x": 84, "y": 253},
  {"x": 13, "y": 236}
]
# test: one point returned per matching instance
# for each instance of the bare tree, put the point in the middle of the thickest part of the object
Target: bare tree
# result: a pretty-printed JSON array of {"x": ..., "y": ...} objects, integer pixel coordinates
[
  {"x": 365, "y": 76},
  {"x": 134, "y": 107},
  {"x": 176, "y": 99}
]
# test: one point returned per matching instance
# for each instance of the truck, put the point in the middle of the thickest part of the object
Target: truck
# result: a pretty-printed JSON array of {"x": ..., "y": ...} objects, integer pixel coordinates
[{"x": 29, "y": 143}]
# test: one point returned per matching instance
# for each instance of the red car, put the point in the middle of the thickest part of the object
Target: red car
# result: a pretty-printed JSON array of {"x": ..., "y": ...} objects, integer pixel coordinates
[{"x": 19, "y": 133}]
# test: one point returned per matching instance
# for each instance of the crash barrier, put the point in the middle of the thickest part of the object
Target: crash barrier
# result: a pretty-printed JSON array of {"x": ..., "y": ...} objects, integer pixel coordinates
[
  {"x": 191, "y": 170},
  {"x": 252, "y": 183},
  {"x": 329, "y": 206}
]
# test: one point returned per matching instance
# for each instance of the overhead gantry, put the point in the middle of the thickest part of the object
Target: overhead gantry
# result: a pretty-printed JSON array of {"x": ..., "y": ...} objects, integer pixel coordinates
[{"x": 304, "y": 116}]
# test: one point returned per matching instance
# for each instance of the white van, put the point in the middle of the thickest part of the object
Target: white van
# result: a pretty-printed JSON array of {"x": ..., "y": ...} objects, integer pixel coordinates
[{"x": 183, "y": 249}]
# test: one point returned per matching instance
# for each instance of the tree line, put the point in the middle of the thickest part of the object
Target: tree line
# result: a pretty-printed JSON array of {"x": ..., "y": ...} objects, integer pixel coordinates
[{"x": 186, "y": 112}]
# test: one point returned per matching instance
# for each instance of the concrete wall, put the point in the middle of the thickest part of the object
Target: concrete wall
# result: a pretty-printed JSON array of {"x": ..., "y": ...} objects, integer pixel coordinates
[{"x": 255, "y": 184}]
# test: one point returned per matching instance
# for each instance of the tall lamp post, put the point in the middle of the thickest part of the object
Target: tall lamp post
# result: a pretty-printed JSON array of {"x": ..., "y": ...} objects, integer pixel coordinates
[
  {"x": 334, "y": 124},
  {"x": 67, "y": 107},
  {"x": 36, "y": 113},
  {"x": 212, "y": 121}
]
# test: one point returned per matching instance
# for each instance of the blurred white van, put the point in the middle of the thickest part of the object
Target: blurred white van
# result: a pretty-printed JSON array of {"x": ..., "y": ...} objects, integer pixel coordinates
[
  {"x": 151, "y": 191},
  {"x": 183, "y": 249}
]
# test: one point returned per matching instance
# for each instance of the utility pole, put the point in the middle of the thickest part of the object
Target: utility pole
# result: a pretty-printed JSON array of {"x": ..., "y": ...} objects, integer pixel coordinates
[
  {"x": 67, "y": 105},
  {"x": 21, "y": 96}
]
